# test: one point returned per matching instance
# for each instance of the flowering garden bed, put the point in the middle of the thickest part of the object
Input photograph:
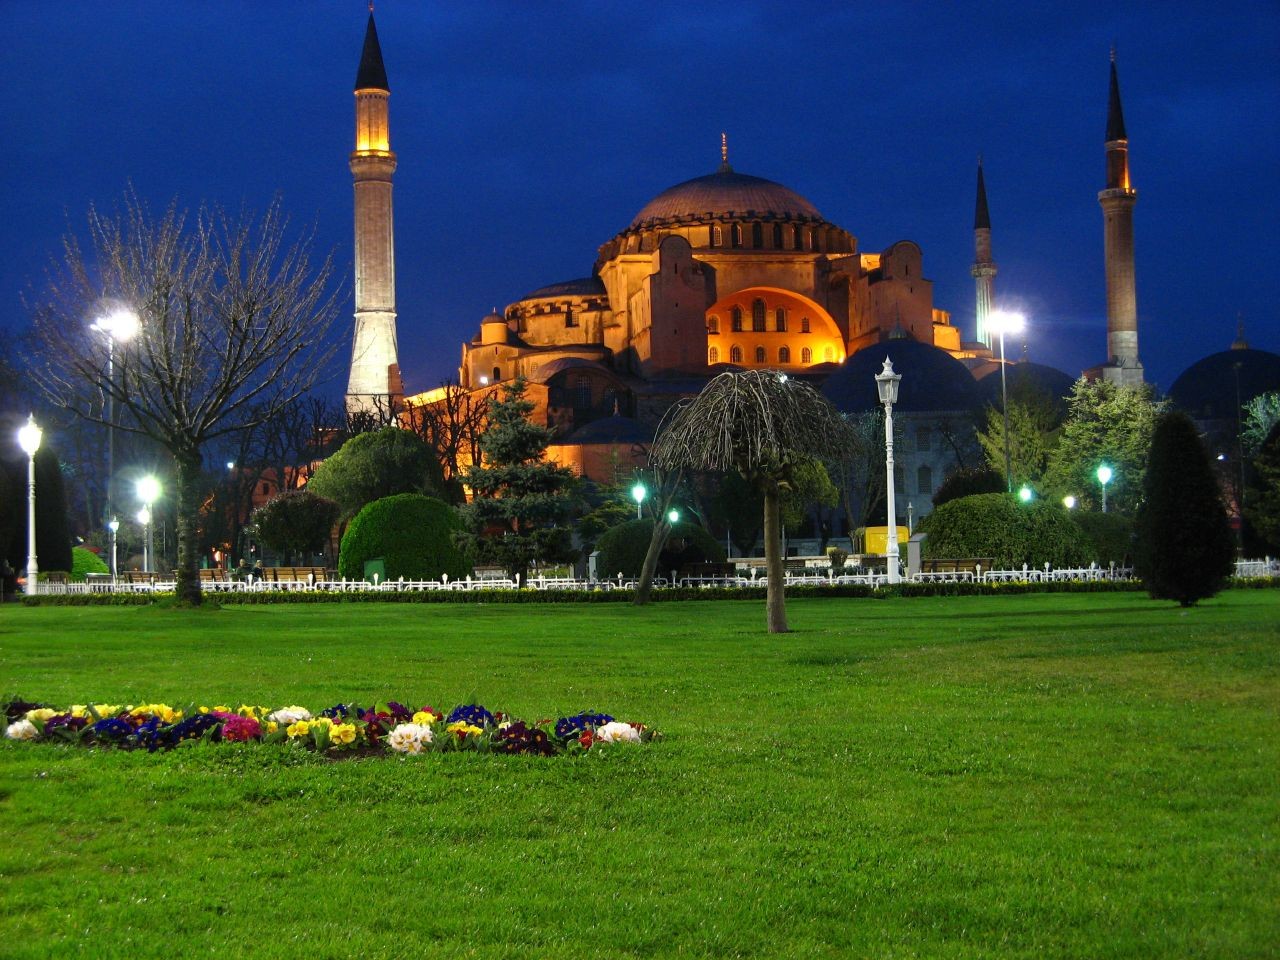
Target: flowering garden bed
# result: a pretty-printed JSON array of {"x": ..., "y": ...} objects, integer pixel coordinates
[{"x": 343, "y": 730}]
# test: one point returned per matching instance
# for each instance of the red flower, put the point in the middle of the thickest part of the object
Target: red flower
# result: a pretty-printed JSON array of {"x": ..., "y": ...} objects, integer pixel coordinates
[{"x": 587, "y": 739}]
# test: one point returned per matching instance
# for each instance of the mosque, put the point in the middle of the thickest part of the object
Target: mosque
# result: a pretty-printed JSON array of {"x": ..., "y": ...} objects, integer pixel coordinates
[{"x": 725, "y": 271}]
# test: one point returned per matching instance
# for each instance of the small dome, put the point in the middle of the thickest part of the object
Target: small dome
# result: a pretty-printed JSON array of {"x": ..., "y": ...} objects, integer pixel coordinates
[
  {"x": 1207, "y": 390},
  {"x": 494, "y": 317},
  {"x": 932, "y": 380},
  {"x": 1050, "y": 381},
  {"x": 721, "y": 194},
  {"x": 613, "y": 429},
  {"x": 585, "y": 287}
]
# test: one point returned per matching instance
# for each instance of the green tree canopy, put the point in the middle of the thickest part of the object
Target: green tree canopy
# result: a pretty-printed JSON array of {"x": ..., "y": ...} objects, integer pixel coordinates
[
  {"x": 374, "y": 465},
  {"x": 413, "y": 535},
  {"x": 1261, "y": 414},
  {"x": 296, "y": 522},
  {"x": 1263, "y": 505},
  {"x": 1011, "y": 533}
]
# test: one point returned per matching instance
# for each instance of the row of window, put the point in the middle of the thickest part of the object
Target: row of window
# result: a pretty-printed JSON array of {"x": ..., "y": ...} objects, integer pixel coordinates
[
  {"x": 801, "y": 239},
  {"x": 762, "y": 355},
  {"x": 759, "y": 315}
]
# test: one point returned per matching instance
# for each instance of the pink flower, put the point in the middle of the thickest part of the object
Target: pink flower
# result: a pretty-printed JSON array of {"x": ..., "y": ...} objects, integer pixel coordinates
[{"x": 240, "y": 729}]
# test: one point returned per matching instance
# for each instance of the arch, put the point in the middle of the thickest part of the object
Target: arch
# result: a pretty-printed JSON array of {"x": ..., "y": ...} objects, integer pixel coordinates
[
  {"x": 761, "y": 355},
  {"x": 735, "y": 235},
  {"x": 713, "y": 355},
  {"x": 735, "y": 354},
  {"x": 497, "y": 374},
  {"x": 717, "y": 236},
  {"x": 784, "y": 354},
  {"x": 757, "y": 315},
  {"x": 757, "y": 234},
  {"x": 828, "y": 354},
  {"x": 924, "y": 480},
  {"x": 804, "y": 325},
  {"x": 821, "y": 334},
  {"x": 797, "y": 237},
  {"x": 713, "y": 324},
  {"x": 780, "y": 319},
  {"x": 806, "y": 356},
  {"x": 737, "y": 320},
  {"x": 777, "y": 236}
]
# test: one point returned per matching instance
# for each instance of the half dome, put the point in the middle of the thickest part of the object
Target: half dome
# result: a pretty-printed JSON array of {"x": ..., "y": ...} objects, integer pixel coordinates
[
  {"x": 723, "y": 194},
  {"x": 1210, "y": 388},
  {"x": 932, "y": 380}
]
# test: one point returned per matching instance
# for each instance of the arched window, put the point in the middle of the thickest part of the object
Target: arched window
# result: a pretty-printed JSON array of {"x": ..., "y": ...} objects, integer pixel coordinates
[
  {"x": 569, "y": 319},
  {"x": 777, "y": 236},
  {"x": 924, "y": 480},
  {"x": 757, "y": 235},
  {"x": 828, "y": 354},
  {"x": 757, "y": 316},
  {"x": 806, "y": 355},
  {"x": 797, "y": 238},
  {"x": 497, "y": 374},
  {"x": 713, "y": 324},
  {"x": 717, "y": 236},
  {"x": 735, "y": 355},
  {"x": 784, "y": 354},
  {"x": 760, "y": 355},
  {"x": 735, "y": 234},
  {"x": 804, "y": 325},
  {"x": 780, "y": 320},
  {"x": 813, "y": 239},
  {"x": 713, "y": 355},
  {"x": 737, "y": 320}
]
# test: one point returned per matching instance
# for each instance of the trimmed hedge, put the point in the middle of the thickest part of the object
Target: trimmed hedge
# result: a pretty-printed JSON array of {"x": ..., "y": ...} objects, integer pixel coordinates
[
  {"x": 86, "y": 561},
  {"x": 1110, "y": 536},
  {"x": 997, "y": 525},
  {"x": 413, "y": 535},
  {"x": 622, "y": 548}
]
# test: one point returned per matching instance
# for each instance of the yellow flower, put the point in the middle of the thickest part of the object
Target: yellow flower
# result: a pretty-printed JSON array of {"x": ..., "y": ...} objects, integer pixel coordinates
[
  {"x": 247, "y": 711},
  {"x": 299, "y": 729},
  {"x": 342, "y": 733},
  {"x": 464, "y": 728},
  {"x": 424, "y": 718},
  {"x": 272, "y": 726},
  {"x": 41, "y": 713},
  {"x": 322, "y": 722},
  {"x": 106, "y": 709},
  {"x": 78, "y": 710}
]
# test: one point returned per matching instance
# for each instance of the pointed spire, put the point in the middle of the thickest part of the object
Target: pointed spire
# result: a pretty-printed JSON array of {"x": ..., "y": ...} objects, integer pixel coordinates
[
  {"x": 1240, "y": 343},
  {"x": 981, "y": 216},
  {"x": 372, "y": 75},
  {"x": 724, "y": 153},
  {"x": 1115, "y": 115}
]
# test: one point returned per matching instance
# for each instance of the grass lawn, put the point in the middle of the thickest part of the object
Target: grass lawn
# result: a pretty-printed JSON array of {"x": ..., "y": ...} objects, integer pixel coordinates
[{"x": 1091, "y": 775}]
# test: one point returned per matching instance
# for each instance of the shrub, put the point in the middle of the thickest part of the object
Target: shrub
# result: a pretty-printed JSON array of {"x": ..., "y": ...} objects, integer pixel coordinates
[
  {"x": 996, "y": 525},
  {"x": 373, "y": 465},
  {"x": 86, "y": 561},
  {"x": 412, "y": 533},
  {"x": 1184, "y": 548},
  {"x": 967, "y": 482},
  {"x": 295, "y": 522},
  {"x": 622, "y": 548},
  {"x": 1110, "y": 536}
]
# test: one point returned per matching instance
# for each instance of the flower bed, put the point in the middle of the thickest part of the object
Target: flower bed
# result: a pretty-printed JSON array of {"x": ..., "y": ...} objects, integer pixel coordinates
[{"x": 344, "y": 729}]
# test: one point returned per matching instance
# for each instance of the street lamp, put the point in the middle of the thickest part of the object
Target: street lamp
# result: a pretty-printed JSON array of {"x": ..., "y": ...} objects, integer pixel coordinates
[
  {"x": 1069, "y": 502},
  {"x": 887, "y": 384},
  {"x": 673, "y": 515},
  {"x": 1104, "y": 477},
  {"x": 1002, "y": 322},
  {"x": 120, "y": 324},
  {"x": 114, "y": 526},
  {"x": 1025, "y": 494},
  {"x": 638, "y": 492},
  {"x": 148, "y": 489},
  {"x": 143, "y": 517},
  {"x": 29, "y": 437}
]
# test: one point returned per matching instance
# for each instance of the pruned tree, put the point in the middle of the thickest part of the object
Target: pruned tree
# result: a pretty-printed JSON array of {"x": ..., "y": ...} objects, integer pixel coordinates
[
  {"x": 761, "y": 424},
  {"x": 374, "y": 465},
  {"x": 296, "y": 522},
  {"x": 233, "y": 326}
]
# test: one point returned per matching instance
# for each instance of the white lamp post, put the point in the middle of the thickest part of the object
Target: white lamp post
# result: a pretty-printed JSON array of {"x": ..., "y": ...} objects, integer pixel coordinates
[
  {"x": 887, "y": 384},
  {"x": 144, "y": 519},
  {"x": 29, "y": 440},
  {"x": 114, "y": 527},
  {"x": 638, "y": 492},
  {"x": 1002, "y": 321},
  {"x": 122, "y": 325},
  {"x": 148, "y": 489},
  {"x": 1104, "y": 477}
]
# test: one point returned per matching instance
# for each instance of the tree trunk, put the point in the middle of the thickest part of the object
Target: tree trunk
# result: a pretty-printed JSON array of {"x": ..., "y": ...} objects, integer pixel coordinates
[
  {"x": 775, "y": 602},
  {"x": 661, "y": 530},
  {"x": 187, "y": 587}
]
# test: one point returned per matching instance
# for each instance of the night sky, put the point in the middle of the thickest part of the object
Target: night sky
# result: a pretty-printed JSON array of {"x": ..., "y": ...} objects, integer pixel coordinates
[{"x": 530, "y": 133}]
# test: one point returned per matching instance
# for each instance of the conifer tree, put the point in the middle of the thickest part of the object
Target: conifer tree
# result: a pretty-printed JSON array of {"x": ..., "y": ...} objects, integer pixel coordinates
[
  {"x": 521, "y": 504},
  {"x": 1184, "y": 549}
]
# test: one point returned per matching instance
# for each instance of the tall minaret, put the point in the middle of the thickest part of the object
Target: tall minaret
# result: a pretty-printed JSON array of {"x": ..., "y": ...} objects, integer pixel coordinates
[
  {"x": 1118, "y": 199},
  {"x": 375, "y": 372},
  {"x": 984, "y": 268}
]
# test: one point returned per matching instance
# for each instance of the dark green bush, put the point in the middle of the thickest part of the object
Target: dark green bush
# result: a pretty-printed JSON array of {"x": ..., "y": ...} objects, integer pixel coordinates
[
  {"x": 1011, "y": 533},
  {"x": 1110, "y": 536},
  {"x": 967, "y": 482},
  {"x": 86, "y": 561},
  {"x": 622, "y": 548},
  {"x": 412, "y": 533}
]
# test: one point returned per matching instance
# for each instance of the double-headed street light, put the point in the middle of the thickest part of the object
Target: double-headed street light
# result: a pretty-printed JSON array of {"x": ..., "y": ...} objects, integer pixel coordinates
[
  {"x": 29, "y": 436},
  {"x": 1002, "y": 322},
  {"x": 148, "y": 489},
  {"x": 887, "y": 385},
  {"x": 1104, "y": 477},
  {"x": 120, "y": 324},
  {"x": 638, "y": 493}
]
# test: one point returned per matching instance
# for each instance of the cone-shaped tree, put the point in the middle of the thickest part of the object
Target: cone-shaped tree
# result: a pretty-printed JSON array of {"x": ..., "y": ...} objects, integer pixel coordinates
[
  {"x": 1184, "y": 549},
  {"x": 761, "y": 424}
]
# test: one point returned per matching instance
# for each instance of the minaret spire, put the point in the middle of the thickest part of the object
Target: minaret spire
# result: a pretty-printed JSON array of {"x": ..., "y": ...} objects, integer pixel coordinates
[
  {"x": 374, "y": 386},
  {"x": 724, "y": 153},
  {"x": 984, "y": 268}
]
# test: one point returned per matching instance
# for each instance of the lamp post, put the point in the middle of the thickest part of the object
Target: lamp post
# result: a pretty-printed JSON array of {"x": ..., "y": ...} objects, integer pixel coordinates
[
  {"x": 144, "y": 519},
  {"x": 887, "y": 385},
  {"x": 122, "y": 325},
  {"x": 1104, "y": 477},
  {"x": 638, "y": 493},
  {"x": 1003, "y": 321},
  {"x": 114, "y": 526},
  {"x": 1025, "y": 494},
  {"x": 1069, "y": 502},
  {"x": 148, "y": 489},
  {"x": 29, "y": 437},
  {"x": 673, "y": 515}
]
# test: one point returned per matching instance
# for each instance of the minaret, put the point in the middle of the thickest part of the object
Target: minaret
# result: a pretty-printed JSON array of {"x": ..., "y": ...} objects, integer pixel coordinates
[
  {"x": 1118, "y": 199},
  {"x": 375, "y": 385},
  {"x": 984, "y": 268}
]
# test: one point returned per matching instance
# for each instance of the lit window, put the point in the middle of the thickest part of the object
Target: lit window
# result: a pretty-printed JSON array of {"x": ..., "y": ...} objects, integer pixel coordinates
[
  {"x": 760, "y": 355},
  {"x": 713, "y": 355},
  {"x": 780, "y": 320},
  {"x": 806, "y": 355},
  {"x": 735, "y": 234},
  {"x": 757, "y": 316},
  {"x": 828, "y": 354},
  {"x": 713, "y": 324},
  {"x": 717, "y": 236},
  {"x": 735, "y": 355},
  {"x": 737, "y": 319},
  {"x": 804, "y": 325},
  {"x": 784, "y": 354},
  {"x": 497, "y": 374}
]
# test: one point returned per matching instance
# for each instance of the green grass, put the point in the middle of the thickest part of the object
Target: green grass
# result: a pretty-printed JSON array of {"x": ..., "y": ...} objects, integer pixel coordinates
[{"x": 1033, "y": 776}]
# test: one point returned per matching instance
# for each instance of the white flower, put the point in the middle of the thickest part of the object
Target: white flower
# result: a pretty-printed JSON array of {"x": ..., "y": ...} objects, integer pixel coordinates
[
  {"x": 409, "y": 737},
  {"x": 21, "y": 730},
  {"x": 618, "y": 732},
  {"x": 290, "y": 715}
]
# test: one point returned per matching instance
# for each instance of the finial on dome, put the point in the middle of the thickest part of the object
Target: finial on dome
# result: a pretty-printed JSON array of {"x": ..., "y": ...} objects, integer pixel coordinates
[
  {"x": 1240, "y": 342},
  {"x": 724, "y": 153}
]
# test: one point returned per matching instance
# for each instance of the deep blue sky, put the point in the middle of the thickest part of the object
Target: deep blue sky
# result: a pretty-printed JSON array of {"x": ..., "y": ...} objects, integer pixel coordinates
[{"x": 530, "y": 133}]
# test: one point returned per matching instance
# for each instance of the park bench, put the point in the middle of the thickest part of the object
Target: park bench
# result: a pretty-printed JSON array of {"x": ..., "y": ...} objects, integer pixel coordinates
[{"x": 293, "y": 577}]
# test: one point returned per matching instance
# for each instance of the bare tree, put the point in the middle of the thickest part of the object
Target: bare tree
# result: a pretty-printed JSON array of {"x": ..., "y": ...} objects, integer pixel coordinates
[
  {"x": 761, "y": 424},
  {"x": 233, "y": 327},
  {"x": 451, "y": 423}
]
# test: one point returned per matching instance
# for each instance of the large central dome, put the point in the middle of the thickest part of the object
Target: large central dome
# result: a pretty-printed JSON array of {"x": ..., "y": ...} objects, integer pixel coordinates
[{"x": 725, "y": 194}]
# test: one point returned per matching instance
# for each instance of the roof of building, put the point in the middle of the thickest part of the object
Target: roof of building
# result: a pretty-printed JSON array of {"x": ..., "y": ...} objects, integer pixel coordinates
[
  {"x": 932, "y": 380},
  {"x": 548, "y": 370},
  {"x": 722, "y": 194},
  {"x": 614, "y": 429},
  {"x": 372, "y": 75},
  {"x": 585, "y": 287},
  {"x": 1048, "y": 380},
  {"x": 1209, "y": 388}
]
